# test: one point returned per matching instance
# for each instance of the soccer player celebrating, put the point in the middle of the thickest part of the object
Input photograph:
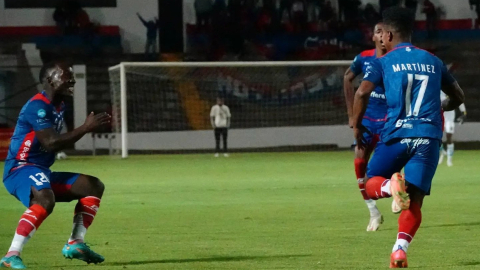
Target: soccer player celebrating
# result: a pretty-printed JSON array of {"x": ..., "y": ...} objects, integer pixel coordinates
[
  {"x": 413, "y": 79},
  {"x": 27, "y": 175},
  {"x": 373, "y": 120},
  {"x": 449, "y": 130},
  {"x": 220, "y": 119}
]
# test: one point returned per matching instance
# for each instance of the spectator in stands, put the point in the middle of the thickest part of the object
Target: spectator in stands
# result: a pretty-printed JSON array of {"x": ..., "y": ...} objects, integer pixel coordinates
[
  {"x": 412, "y": 5},
  {"x": 299, "y": 15},
  {"x": 313, "y": 11},
  {"x": 352, "y": 12},
  {"x": 384, "y": 4},
  {"x": 327, "y": 13},
  {"x": 203, "y": 10},
  {"x": 60, "y": 17},
  {"x": 82, "y": 20},
  {"x": 431, "y": 14},
  {"x": 371, "y": 16},
  {"x": 152, "y": 31},
  {"x": 73, "y": 8},
  {"x": 341, "y": 9},
  {"x": 476, "y": 3},
  {"x": 285, "y": 6}
]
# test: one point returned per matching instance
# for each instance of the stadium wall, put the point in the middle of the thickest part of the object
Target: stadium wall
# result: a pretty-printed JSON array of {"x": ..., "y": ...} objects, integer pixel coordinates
[
  {"x": 256, "y": 138},
  {"x": 454, "y": 9},
  {"x": 124, "y": 15}
]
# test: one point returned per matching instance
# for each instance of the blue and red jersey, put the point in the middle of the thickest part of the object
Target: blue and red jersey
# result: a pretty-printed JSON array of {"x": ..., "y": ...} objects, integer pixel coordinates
[
  {"x": 25, "y": 148},
  {"x": 377, "y": 105},
  {"x": 412, "y": 79}
]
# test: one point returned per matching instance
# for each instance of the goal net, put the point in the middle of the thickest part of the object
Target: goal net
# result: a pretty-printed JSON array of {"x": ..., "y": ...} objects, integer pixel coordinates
[{"x": 274, "y": 105}]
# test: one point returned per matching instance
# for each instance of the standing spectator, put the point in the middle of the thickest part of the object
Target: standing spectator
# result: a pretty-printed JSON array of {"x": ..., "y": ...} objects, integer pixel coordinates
[
  {"x": 313, "y": 11},
  {"x": 476, "y": 3},
  {"x": 220, "y": 119},
  {"x": 152, "y": 31},
  {"x": 327, "y": 13},
  {"x": 412, "y": 5},
  {"x": 431, "y": 13},
  {"x": 60, "y": 17},
  {"x": 285, "y": 6},
  {"x": 299, "y": 15},
  {"x": 203, "y": 10},
  {"x": 342, "y": 5}
]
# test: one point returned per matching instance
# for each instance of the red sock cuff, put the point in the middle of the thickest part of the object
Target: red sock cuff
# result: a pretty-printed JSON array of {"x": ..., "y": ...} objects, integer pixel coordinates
[
  {"x": 360, "y": 167},
  {"x": 31, "y": 219},
  {"x": 88, "y": 208}
]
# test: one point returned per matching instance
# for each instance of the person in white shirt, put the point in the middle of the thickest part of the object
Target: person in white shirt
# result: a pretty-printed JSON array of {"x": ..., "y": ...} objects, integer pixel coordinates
[
  {"x": 220, "y": 119},
  {"x": 449, "y": 128}
]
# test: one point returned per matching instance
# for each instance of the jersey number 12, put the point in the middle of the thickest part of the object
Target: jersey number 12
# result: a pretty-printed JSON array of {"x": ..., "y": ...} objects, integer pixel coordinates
[{"x": 421, "y": 94}]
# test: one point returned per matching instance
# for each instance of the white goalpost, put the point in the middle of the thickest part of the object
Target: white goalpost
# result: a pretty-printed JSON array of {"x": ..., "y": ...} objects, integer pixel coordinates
[{"x": 165, "y": 106}]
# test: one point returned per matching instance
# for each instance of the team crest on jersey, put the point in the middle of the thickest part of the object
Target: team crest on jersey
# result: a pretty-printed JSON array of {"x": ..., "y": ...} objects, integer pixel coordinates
[{"x": 41, "y": 113}]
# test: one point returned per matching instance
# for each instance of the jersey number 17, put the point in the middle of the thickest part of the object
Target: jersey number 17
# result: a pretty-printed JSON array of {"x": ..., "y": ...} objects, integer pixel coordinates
[{"x": 421, "y": 94}]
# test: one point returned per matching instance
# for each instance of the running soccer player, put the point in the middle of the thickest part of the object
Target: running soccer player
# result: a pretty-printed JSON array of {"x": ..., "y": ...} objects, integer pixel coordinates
[
  {"x": 449, "y": 130},
  {"x": 27, "y": 175},
  {"x": 413, "y": 79},
  {"x": 373, "y": 120}
]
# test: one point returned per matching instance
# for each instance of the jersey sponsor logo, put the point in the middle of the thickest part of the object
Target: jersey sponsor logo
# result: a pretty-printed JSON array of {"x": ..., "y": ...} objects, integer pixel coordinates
[
  {"x": 416, "y": 142},
  {"x": 25, "y": 147},
  {"x": 41, "y": 113},
  {"x": 403, "y": 123},
  {"x": 43, "y": 121},
  {"x": 367, "y": 72},
  {"x": 414, "y": 67},
  {"x": 377, "y": 95}
]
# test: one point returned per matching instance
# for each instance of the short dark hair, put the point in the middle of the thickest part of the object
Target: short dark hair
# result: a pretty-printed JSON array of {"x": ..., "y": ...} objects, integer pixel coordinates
[
  {"x": 44, "y": 71},
  {"x": 401, "y": 19}
]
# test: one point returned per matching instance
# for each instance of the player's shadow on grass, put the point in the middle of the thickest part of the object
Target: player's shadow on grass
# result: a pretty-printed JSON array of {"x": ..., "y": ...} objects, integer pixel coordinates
[
  {"x": 470, "y": 263},
  {"x": 453, "y": 225},
  {"x": 208, "y": 259},
  {"x": 442, "y": 225}
]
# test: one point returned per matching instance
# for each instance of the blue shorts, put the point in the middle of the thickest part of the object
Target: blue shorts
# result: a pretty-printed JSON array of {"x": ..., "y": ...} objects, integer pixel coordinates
[
  {"x": 19, "y": 182},
  {"x": 418, "y": 157},
  {"x": 372, "y": 134}
]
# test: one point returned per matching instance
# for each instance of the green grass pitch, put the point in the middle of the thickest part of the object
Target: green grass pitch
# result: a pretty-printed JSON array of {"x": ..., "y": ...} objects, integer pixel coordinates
[{"x": 252, "y": 211}]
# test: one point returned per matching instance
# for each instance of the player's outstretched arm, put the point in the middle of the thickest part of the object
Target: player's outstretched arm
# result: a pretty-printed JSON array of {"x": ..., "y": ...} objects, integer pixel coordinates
[
  {"x": 349, "y": 92},
  {"x": 359, "y": 107},
  {"x": 455, "y": 94},
  {"x": 361, "y": 101},
  {"x": 52, "y": 141}
]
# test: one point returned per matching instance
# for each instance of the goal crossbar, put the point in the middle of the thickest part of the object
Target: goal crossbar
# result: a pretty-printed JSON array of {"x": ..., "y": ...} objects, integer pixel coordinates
[{"x": 233, "y": 64}]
